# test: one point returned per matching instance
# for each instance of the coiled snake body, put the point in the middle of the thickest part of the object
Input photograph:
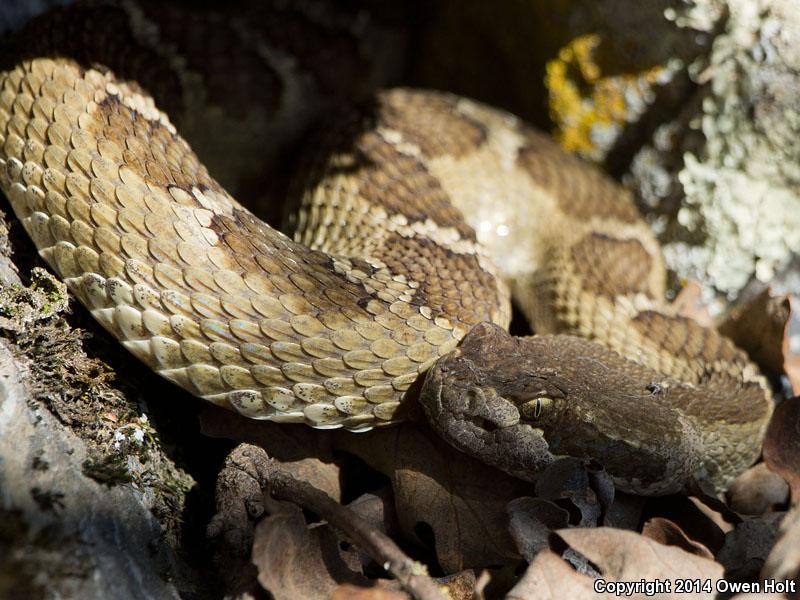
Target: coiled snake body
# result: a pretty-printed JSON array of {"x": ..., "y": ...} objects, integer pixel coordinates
[{"x": 412, "y": 219}]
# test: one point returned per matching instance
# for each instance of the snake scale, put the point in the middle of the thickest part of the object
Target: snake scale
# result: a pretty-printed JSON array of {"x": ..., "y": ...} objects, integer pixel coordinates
[{"x": 414, "y": 219}]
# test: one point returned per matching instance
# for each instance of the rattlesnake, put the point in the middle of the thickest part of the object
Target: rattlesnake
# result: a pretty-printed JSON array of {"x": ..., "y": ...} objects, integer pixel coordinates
[{"x": 412, "y": 218}]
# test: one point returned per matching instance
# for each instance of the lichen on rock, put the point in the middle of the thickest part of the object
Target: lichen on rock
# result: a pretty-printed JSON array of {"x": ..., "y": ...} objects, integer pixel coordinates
[
  {"x": 630, "y": 59},
  {"x": 723, "y": 176},
  {"x": 79, "y": 457}
]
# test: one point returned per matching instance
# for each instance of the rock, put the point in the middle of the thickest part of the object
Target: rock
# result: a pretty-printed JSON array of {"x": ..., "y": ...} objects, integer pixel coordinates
[
  {"x": 720, "y": 179},
  {"x": 90, "y": 503},
  {"x": 64, "y": 533}
]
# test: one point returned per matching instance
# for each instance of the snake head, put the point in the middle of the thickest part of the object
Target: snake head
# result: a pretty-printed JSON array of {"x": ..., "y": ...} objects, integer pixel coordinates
[
  {"x": 469, "y": 401},
  {"x": 520, "y": 404}
]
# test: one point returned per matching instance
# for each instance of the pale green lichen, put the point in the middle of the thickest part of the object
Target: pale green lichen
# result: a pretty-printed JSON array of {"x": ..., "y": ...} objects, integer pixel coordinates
[
  {"x": 727, "y": 177},
  {"x": 699, "y": 15},
  {"x": 750, "y": 225}
]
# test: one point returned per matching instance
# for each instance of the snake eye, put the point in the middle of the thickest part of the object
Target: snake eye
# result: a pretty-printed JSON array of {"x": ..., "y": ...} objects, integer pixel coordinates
[
  {"x": 537, "y": 410},
  {"x": 533, "y": 408}
]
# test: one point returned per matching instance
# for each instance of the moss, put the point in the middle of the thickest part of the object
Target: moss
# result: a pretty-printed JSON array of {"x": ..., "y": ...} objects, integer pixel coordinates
[{"x": 83, "y": 393}]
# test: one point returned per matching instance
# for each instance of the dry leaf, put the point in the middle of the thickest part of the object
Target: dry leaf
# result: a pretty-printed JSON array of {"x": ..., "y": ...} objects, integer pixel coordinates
[
  {"x": 377, "y": 511},
  {"x": 625, "y": 555},
  {"x": 747, "y": 546},
  {"x": 530, "y": 521},
  {"x": 619, "y": 555},
  {"x": 458, "y": 499},
  {"x": 668, "y": 533},
  {"x": 298, "y": 561},
  {"x": 757, "y": 491},
  {"x": 791, "y": 367},
  {"x": 551, "y": 577},
  {"x": 588, "y": 488},
  {"x": 694, "y": 519},
  {"x": 625, "y": 512},
  {"x": 703, "y": 494},
  {"x": 760, "y": 328},
  {"x": 302, "y": 451},
  {"x": 781, "y": 448},
  {"x": 689, "y": 302},
  {"x": 783, "y": 561},
  {"x": 378, "y": 592},
  {"x": 460, "y": 586}
]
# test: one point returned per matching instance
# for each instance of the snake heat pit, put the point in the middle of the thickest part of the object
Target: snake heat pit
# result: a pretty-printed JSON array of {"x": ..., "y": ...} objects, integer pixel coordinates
[{"x": 412, "y": 223}]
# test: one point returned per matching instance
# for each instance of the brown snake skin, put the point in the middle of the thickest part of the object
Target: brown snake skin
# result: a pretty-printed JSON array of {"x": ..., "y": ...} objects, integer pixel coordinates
[{"x": 412, "y": 219}]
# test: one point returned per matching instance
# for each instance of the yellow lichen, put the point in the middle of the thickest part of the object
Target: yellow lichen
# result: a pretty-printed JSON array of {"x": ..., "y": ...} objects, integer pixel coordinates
[{"x": 588, "y": 107}]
